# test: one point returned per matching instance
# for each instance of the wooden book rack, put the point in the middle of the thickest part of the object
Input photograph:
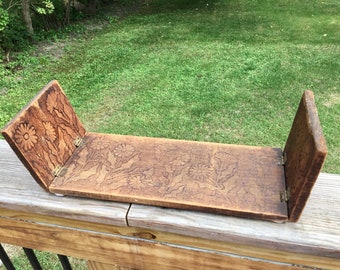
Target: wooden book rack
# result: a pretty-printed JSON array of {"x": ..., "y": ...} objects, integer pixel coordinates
[{"x": 245, "y": 181}]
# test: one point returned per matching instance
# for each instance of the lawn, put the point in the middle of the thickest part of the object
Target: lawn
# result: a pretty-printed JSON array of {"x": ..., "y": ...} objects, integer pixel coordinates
[
  {"x": 218, "y": 70},
  {"x": 230, "y": 71}
]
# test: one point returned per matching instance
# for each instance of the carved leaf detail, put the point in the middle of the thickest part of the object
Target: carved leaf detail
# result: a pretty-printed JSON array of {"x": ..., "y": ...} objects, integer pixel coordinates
[
  {"x": 224, "y": 170},
  {"x": 180, "y": 161}
]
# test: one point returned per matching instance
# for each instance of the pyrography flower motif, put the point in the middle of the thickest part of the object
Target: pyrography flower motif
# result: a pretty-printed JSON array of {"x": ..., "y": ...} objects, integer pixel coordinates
[
  {"x": 134, "y": 181},
  {"x": 180, "y": 161},
  {"x": 124, "y": 150},
  {"x": 100, "y": 143},
  {"x": 49, "y": 131},
  {"x": 25, "y": 136},
  {"x": 200, "y": 171},
  {"x": 137, "y": 179},
  {"x": 52, "y": 101}
]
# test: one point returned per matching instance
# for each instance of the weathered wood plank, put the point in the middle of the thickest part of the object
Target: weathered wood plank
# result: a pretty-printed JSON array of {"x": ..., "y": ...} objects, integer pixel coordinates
[
  {"x": 305, "y": 153},
  {"x": 104, "y": 266},
  {"x": 317, "y": 232},
  {"x": 19, "y": 191},
  {"x": 268, "y": 254},
  {"x": 126, "y": 251}
]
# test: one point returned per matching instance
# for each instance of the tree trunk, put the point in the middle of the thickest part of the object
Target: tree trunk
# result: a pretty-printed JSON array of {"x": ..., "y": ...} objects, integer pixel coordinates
[
  {"x": 26, "y": 15},
  {"x": 67, "y": 12},
  {"x": 92, "y": 6}
]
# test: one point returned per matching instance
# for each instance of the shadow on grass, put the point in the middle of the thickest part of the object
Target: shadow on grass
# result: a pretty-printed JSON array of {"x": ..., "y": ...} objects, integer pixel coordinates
[
  {"x": 161, "y": 6},
  {"x": 251, "y": 22}
]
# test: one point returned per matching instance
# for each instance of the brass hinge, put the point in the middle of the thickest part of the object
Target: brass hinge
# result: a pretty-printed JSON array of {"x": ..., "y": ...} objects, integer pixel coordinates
[
  {"x": 283, "y": 159},
  {"x": 78, "y": 141},
  {"x": 285, "y": 195},
  {"x": 59, "y": 171}
]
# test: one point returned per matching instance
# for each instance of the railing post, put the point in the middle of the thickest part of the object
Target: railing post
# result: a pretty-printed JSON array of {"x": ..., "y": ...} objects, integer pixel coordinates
[
  {"x": 64, "y": 262},
  {"x": 32, "y": 258},
  {"x": 5, "y": 259}
]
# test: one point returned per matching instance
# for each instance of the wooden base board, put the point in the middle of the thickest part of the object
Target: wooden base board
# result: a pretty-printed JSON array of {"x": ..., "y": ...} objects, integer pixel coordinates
[{"x": 229, "y": 179}]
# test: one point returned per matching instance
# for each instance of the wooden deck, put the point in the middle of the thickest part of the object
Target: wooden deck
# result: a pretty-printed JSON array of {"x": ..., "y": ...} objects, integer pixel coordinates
[{"x": 148, "y": 237}]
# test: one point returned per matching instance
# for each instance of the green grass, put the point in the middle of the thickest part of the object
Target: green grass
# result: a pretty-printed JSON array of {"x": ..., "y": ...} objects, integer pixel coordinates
[{"x": 217, "y": 70}]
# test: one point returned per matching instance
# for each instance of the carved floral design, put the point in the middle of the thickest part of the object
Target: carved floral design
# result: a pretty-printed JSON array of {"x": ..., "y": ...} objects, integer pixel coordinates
[
  {"x": 225, "y": 168},
  {"x": 124, "y": 150},
  {"x": 50, "y": 131},
  {"x": 25, "y": 136},
  {"x": 100, "y": 144},
  {"x": 180, "y": 161},
  {"x": 200, "y": 171},
  {"x": 52, "y": 101},
  {"x": 142, "y": 171}
]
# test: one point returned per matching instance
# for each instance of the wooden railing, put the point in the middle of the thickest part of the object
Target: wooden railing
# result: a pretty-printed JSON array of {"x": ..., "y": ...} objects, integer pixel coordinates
[{"x": 129, "y": 236}]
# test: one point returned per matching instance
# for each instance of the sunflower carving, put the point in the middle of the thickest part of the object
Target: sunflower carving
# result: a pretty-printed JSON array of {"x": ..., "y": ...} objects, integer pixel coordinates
[
  {"x": 200, "y": 171},
  {"x": 124, "y": 150},
  {"x": 25, "y": 136}
]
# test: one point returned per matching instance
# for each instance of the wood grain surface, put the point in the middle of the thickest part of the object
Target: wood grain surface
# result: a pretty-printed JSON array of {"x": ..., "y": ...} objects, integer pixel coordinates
[
  {"x": 305, "y": 152},
  {"x": 132, "y": 252},
  {"x": 43, "y": 133},
  {"x": 247, "y": 251},
  {"x": 227, "y": 179},
  {"x": 92, "y": 265}
]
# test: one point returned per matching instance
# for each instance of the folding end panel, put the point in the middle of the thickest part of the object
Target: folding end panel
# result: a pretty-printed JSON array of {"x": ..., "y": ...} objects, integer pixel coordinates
[
  {"x": 305, "y": 152},
  {"x": 43, "y": 133}
]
